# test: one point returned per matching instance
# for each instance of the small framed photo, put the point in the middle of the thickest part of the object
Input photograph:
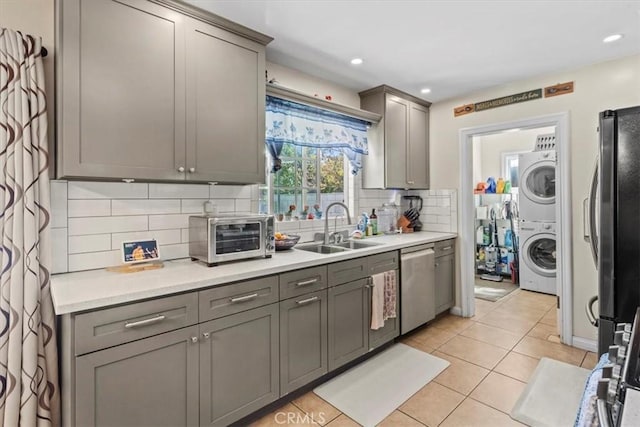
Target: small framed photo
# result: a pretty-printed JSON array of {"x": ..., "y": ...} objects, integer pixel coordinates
[{"x": 135, "y": 251}]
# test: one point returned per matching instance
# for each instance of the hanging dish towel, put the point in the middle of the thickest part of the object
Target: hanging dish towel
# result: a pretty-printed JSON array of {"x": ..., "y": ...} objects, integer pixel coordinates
[{"x": 383, "y": 298}]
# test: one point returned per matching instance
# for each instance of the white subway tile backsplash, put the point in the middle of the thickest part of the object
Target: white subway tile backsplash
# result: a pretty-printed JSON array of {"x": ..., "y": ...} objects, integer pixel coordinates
[
  {"x": 224, "y": 205},
  {"x": 91, "y": 260},
  {"x": 163, "y": 237},
  {"x": 168, "y": 252},
  {"x": 59, "y": 204},
  {"x": 165, "y": 222},
  {"x": 145, "y": 207},
  {"x": 59, "y": 250},
  {"x": 184, "y": 235},
  {"x": 109, "y": 224},
  {"x": 107, "y": 190},
  {"x": 243, "y": 205},
  {"x": 193, "y": 206},
  {"x": 89, "y": 207},
  {"x": 444, "y": 219},
  {"x": 178, "y": 191},
  {"x": 89, "y": 243},
  {"x": 230, "y": 191}
]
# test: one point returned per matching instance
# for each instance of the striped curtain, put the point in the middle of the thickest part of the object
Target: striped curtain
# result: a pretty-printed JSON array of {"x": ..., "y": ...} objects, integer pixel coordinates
[{"x": 29, "y": 391}]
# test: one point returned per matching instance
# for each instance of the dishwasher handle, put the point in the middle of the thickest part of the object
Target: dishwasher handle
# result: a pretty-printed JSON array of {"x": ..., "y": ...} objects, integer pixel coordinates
[{"x": 416, "y": 254}]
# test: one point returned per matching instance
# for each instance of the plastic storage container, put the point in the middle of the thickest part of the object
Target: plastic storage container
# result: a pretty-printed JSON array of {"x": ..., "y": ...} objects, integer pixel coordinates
[{"x": 387, "y": 218}]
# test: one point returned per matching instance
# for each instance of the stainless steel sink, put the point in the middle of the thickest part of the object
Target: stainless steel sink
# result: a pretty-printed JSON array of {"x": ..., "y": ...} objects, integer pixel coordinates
[
  {"x": 353, "y": 244},
  {"x": 321, "y": 249}
]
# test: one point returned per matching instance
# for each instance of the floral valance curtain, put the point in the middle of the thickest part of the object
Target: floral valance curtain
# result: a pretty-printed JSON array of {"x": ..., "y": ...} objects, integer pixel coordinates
[{"x": 306, "y": 126}]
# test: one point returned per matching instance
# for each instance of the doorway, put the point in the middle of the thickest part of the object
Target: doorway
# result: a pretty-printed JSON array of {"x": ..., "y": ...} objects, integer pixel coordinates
[
  {"x": 468, "y": 237},
  {"x": 500, "y": 263}
]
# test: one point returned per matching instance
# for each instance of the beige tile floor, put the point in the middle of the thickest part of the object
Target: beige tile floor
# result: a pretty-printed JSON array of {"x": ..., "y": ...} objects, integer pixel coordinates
[{"x": 491, "y": 357}]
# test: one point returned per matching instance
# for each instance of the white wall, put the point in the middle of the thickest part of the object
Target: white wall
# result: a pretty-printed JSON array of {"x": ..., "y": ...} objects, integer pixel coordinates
[
  {"x": 608, "y": 85},
  {"x": 35, "y": 17},
  {"x": 491, "y": 147}
]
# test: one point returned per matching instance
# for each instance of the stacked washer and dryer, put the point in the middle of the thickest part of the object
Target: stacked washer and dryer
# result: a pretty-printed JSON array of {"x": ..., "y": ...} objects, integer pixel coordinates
[{"x": 537, "y": 203}]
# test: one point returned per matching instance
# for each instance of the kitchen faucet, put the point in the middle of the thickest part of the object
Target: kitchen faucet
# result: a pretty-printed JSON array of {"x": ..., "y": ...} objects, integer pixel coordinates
[{"x": 327, "y": 237}]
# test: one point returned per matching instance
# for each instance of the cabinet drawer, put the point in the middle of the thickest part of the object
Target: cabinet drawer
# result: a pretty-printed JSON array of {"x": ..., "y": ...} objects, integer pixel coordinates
[
  {"x": 444, "y": 247},
  {"x": 301, "y": 282},
  {"x": 241, "y": 296},
  {"x": 382, "y": 262},
  {"x": 112, "y": 326},
  {"x": 347, "y": 271}
]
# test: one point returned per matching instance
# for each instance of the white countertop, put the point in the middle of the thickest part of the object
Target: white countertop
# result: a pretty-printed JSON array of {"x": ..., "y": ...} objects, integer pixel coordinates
[{"x": 73, "y": 292}]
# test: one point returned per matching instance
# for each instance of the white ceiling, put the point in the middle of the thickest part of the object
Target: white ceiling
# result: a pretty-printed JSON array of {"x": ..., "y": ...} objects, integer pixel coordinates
[{"x": 452, "y": 47}]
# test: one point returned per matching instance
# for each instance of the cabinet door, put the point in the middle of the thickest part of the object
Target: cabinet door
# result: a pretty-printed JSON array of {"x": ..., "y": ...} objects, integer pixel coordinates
[
  {"x": 225, "y": 106},
  {"x": 418, "y": 147},
  {"x": 396, "y": 122},
  {"x": 150, "y": 382},
  {"x": 303, "y": 340},
  {"x": 445, "y": 283},
  {"x": 121, "y": 90},
  {"x": 238, "y": 365},
  {"x": 348, "y": 322},
  {"x": 391, "y": 328}
]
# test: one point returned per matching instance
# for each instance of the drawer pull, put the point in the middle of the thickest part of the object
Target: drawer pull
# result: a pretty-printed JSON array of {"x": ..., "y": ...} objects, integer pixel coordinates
[
  {"x": 145, "y": 322},
  {"x": 307, "y": 282},
  {"x": 244, "y": 298},
  {"x": 446, "y": 249},
  {"x": 307, "y": 301}
]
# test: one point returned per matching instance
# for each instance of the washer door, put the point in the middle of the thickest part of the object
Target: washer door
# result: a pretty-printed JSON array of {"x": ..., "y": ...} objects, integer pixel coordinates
[
  {"x": 539, "y": 253},
  {"x": 538, "y": 182}
]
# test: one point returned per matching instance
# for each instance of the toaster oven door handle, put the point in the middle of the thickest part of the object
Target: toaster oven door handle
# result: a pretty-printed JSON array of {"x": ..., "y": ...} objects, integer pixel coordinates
[
  {"x": 244, "y": 298},
  {"x": 307, "y": 282}
]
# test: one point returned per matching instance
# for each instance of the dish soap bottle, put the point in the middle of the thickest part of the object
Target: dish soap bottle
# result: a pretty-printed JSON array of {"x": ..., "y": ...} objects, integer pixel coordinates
[{"x": 373, "y": 219}]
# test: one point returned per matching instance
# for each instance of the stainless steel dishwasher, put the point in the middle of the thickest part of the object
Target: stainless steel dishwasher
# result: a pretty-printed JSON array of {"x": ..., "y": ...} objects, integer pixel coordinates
[{"x": 417, "y": 287}]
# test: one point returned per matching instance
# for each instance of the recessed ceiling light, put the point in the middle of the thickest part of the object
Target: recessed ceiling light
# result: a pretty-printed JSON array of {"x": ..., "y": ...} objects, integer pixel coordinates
[
  {"x": 612, "y": 38},
  {"x": 425, "y": 90},
  {"x": 356, "y": 61}
]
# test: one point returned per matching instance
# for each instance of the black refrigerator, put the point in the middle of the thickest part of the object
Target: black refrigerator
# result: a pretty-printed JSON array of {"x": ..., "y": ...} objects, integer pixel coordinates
[{"x": 619, "y": 221}]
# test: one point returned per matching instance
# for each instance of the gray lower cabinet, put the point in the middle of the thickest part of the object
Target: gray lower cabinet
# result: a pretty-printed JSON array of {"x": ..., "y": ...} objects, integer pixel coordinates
[
  {"x": 149, "y": 382},
  {"x": 303, "y": 340},
  {"x": 238, "y": 365},
  {"x": 445, "y": 273},
  {"x": 348, "y": 322}
]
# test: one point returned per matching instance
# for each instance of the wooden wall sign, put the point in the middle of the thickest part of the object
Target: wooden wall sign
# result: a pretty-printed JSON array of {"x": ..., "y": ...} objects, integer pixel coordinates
[
  {"x": 559, "y": 89},
  {"x": 529, "y": 95}
]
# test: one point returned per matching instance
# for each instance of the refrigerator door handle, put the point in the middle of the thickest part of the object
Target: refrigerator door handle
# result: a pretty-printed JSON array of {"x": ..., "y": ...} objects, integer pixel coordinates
[
  {"x": 589, "y": 310},
  {"x": 593, "y": 205}
]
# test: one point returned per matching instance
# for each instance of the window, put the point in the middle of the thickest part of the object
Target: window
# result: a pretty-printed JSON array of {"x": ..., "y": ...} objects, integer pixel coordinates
[
  {"x": 510, "y": 168},
  {"x": 311, "y": 153},
  {"x": 309, "y": 177}
]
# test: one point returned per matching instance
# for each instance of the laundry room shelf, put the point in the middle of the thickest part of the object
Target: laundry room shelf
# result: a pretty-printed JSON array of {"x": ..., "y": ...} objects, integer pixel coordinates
[{"x": 496, "y": 233}]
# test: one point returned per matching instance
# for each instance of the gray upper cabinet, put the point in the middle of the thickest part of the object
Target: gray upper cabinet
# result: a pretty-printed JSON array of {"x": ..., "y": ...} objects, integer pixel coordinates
[
  {"x": 158, "y": 90},
  {"x": 150, "y": 382},
  {"x": 399, "y": 144},
  {"x": 225, "y": 106}
]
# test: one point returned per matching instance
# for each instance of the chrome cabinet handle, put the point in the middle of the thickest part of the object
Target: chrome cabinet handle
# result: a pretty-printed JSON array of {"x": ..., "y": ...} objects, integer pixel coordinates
[
  {"x": 244, "y": 298},
  {"x": 145, "y": 322},
  {"x": 411, "y": 182},
  {"x": 206, "y": 335},
  {"x": 446, "y": 249},
  {"x": 307, "y": 282},
  {"x": 307, "y": 301},
  {"x": 194, "y": 339},
  {"x": 192, "y": 170},
  {"x": 181, "y": 169}
]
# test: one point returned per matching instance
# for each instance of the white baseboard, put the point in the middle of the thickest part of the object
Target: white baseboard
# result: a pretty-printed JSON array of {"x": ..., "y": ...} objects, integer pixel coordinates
[
  {"x": 585, "y": 344},
  {"x": 456, "y": 311}
]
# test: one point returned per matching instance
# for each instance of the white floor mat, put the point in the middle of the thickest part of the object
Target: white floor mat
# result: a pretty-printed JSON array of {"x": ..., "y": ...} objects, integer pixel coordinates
[
  {"x": 552, "y": 396},
  {"x": 369, "y": 392}
]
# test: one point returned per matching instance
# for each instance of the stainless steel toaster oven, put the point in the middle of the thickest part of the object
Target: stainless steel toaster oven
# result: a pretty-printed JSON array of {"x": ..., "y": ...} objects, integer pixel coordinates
[{"x": 221, "y": 238}]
